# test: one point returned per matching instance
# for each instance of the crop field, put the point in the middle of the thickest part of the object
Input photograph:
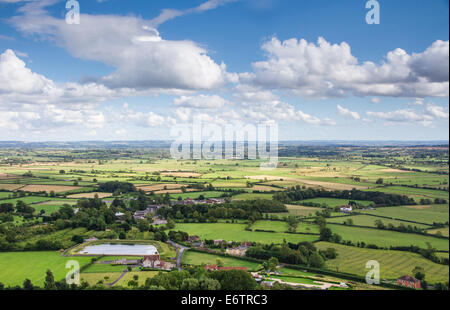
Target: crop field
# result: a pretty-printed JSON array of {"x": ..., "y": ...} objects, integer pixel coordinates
[
  {"x": 385, "y": 238},
  {"x": 439, "y": 231},
  {"x": 89, "y": 195},
  {"x": 80, "y": 174},
  {"x": 237, "y": 232},
  {"x": 422, "y": 214},
  {"x": 49, "y": 188},
  {"x": 278, "y": 226},
  {"x": 10, "y": 187},
  {"x": 365, "y": 220},
  {"x": 18, "y": 266},
  {"x": 393, "y": 264}
]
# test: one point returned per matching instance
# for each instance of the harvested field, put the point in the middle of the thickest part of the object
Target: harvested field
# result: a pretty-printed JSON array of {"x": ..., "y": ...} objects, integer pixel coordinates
[
  {"x": 48, "y": 188},
  {"x": 159, "y": 187},
  {"x": 181, "y": 174},
  {"x": 11, "y": 187},
  {"x": 390, "y": 170},
  {"x": 90, "y": 195},
  {"x": 175, "y": 191},
  {"x": 6, "y": 176},
  {"x": 328, "y": 185}
]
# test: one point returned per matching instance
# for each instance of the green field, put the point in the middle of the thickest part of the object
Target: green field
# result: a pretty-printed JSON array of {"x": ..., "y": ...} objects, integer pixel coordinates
[
  {"x": 278, "y": 226},
  {"x": 142, "y": 277},
  {"x": 196, "y": 258},
  {"x": 393, "y": 264},
  {"x": 251, "y": 196},
  {"x": 422, "y": 214},
  {"x": 333, "y": 202},
  {"x": 366, "y": 220},
  {"x": 18, "y": 266},
  {"x": 195, "y": 195},
  {"x": 237, "y": 232},
  {"x": 417, "y": 193},
  {"x": 386, "y": 238}
]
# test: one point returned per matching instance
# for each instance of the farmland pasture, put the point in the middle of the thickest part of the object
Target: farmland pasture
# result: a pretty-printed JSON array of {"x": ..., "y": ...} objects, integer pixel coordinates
[
  {"x": 333, "y": 202},
  {"x": 366, "y": 220},
  {"x": 422, "y": 214},
  {"x": 237, "y": 232},
  {"x": 196, "y": 258},
  {"x": 18, "y": 266},
  {"x": 386, "y": 238},
  {"x": 393, "y": 264}
]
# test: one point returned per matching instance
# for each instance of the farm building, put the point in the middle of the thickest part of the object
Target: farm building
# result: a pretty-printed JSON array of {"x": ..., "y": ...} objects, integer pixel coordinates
[
  {"x": 409, "y": 281},
  {"x": 239, "y": 251},
  {"x": 155, "y": 262},
  {"x": 347, "y": 209},
  {"x": 151, "y": 261}
]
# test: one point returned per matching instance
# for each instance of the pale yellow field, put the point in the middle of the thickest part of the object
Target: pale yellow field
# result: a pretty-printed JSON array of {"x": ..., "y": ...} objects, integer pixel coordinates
[
  {"x": 181, "y": 174},
  {"x": 443, "y": 231},
  {"x": 49, "y": 188},
  {"x": 90, "y": 195},
  {"x": 11, "y": 187},
  {"x": 329, "y": 185},
  {"x": 263, "y": 188},
  {"x": 159, "y": 187},
  {"x": 175, "y": 191}
]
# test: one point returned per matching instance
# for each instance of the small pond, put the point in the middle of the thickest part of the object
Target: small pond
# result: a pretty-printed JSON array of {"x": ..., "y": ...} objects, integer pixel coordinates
[{"x": 120, "y": 249}]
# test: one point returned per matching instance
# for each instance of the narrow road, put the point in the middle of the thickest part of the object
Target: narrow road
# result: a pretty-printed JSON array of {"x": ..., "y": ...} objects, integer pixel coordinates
[
  {"x": 181, "y": 249},
  {"x": 118, "y": 279}
]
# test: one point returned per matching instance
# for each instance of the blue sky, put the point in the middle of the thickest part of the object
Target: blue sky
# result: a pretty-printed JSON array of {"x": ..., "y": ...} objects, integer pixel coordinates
[{"x": 131, "y": 70}]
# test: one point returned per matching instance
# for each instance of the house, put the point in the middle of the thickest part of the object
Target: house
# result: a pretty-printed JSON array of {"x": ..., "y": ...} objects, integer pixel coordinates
[
  {"x": 140, "y": 215},
  {"x": 151, "y": 261},
  {"x": 153, "y": 208},
  {"x": 347, "y": 209},
  {"x": 120, "y": 215},
  {"x": 218, "y": 241},
  {"x": 409, "y": 281},
  {"x": 239, "y": 251},
  {"x": 211, "y": 267},
  {"x": 194, "y": 238}
]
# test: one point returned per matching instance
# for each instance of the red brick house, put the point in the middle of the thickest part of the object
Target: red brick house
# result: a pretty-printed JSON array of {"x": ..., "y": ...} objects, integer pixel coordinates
[
  {"x": 409, "y": 281},
  {"x": 211, "y": 267}
]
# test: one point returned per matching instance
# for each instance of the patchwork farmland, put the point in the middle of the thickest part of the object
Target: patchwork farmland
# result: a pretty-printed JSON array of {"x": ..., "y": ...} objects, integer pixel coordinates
[{"x": 225, "y": 213}]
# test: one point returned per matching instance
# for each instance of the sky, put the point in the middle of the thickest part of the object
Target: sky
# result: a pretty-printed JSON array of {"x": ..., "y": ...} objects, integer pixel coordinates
[{"x": 135, "y": 70}]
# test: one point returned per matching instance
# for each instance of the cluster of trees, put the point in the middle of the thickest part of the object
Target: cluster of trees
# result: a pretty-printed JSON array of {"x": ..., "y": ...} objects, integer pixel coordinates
[
  {"x": 20, "y": 208},
  {"x": 378, "y": 198},
  {"x": 402, "y": 227},
  {"x": 251, "y": 210},
  {"x": 303, "y": 253},
  {"x": 116, "y": 187},
  {"x": 189, "y": 279}
]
